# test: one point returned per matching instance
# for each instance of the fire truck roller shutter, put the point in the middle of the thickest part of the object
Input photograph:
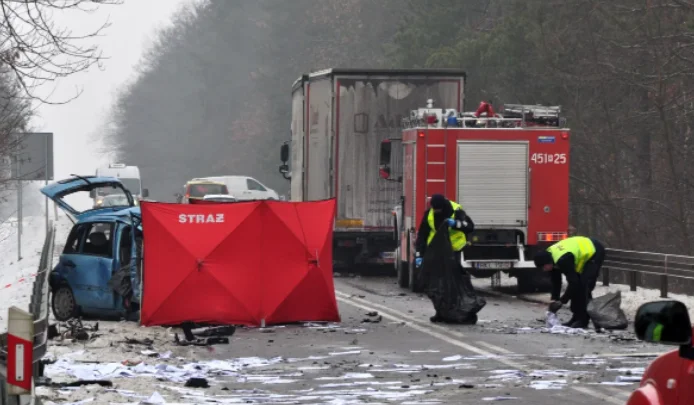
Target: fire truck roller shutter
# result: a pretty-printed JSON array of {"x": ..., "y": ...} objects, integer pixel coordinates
[{"x": 493, "y": 182}]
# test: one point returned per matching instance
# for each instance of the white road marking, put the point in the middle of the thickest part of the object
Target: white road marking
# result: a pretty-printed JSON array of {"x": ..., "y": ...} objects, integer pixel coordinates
[
  {"x": 618, "y": 392},
  {"x": 598, "y": 395},
  {"x": 494, "y": 347},
  {"x": 417, "y": 325},
  {"x": 635, "y": 355}
]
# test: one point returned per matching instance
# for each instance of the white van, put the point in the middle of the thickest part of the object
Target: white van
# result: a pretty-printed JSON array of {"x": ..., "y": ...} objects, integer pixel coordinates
[
  {"x": 128, "y": 175},
  {"x": 244, "y": 187}
]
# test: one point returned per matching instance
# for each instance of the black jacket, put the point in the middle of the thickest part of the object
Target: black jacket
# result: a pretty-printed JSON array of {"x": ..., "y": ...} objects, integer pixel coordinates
[
  {"x": 464, "y": 224},
  {"x": 566, "y": 266}
]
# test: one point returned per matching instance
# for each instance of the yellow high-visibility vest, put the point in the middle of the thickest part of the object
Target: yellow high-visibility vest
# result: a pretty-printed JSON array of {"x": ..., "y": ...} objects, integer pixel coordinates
[
  {"x": 581, "y": 247},
  {"x": 458, "y": 239}
]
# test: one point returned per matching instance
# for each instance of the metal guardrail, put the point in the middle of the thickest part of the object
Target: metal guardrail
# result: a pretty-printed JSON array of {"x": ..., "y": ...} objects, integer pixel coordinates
[
  {"x": 644, "y": 269},
  {"x": 39, "y": 308}
]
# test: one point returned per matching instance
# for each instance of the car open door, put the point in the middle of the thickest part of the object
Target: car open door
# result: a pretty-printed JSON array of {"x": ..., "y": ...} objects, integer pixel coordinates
[
  {"x": 91, "y": 267},
  {"x": 59, "y": 190},
  {"x": 136, "y": 263}
]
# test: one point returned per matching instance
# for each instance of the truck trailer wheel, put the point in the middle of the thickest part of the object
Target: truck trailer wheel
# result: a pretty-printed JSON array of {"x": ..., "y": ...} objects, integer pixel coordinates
[
  {"x": 403, "y": 273},
  {"x": 414, "y": 274}
]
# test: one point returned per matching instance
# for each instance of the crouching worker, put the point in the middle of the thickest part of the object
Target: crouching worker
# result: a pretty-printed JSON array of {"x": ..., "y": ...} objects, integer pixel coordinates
[{"x": 579, "y": 259}]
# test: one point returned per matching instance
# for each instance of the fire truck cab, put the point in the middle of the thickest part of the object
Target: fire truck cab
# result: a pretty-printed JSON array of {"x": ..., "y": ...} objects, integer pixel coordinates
[{"x": 509, "y": 171}]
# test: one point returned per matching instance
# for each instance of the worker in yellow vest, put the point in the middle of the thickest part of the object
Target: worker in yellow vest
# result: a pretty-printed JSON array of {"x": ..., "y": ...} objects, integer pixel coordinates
[
  {"x": 441, "y": 209},
  {"x": 579, "y": 259},
  {"x": 452, "y": 214}
]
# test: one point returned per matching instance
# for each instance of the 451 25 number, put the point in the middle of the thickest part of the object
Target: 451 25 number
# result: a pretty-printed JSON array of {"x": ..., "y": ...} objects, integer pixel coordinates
[{"x": 549, "y": 158}]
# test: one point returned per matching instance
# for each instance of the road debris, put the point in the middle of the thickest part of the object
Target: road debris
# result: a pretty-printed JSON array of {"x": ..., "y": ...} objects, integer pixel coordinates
[
  {"x": 196, "y": 382},
  {"x": 373, "y": 317},
  {"x": 73, "y": 329}
]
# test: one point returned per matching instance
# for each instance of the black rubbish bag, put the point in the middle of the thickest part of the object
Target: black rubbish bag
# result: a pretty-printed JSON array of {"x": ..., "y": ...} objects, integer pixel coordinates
[
  {"x": 441, "y": 279},
  {"x": 605, "y": 312}
]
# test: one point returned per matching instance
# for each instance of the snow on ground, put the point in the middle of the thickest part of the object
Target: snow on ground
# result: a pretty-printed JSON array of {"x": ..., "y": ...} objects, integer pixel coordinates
[
  {"x": 631, "y": 300},
  {"x": 17, "y": 276}
]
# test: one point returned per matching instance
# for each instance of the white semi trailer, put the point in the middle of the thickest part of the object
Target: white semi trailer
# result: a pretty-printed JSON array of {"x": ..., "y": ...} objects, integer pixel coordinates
[{"x": 339, "y": 118}]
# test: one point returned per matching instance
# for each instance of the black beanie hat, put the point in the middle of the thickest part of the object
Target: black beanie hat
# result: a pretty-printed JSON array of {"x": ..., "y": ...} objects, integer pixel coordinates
[
  {"x": 438, "y": 202},
  {"x": 542, "y": 257}
]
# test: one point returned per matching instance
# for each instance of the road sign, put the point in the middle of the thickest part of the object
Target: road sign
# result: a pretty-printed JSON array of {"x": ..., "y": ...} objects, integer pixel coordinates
[
  {"x": 34, "y": 156},
  {"x": 32, "y": 160},
  {"x": 20, "y": 351}
]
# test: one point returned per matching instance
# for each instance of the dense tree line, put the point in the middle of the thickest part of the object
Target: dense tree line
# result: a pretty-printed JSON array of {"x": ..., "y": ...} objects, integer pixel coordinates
[
  {"x": 212, "y": 96},
  {"x": 622, "y": 71}
]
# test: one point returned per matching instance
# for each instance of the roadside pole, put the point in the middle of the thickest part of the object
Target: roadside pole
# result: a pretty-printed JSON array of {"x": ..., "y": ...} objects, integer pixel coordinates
[
  {"x": 45, "y": 170},
  {"x": 19, "y": 207}
]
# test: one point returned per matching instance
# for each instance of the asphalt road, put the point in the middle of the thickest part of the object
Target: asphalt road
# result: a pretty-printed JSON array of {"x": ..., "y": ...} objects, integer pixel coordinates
[{"x": 402, "y": 358}]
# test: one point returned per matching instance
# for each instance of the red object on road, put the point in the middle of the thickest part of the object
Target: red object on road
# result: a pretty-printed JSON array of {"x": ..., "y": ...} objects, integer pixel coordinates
[
  {"x": 20, "y": 354},
  {"x": 246, "y": 263}
]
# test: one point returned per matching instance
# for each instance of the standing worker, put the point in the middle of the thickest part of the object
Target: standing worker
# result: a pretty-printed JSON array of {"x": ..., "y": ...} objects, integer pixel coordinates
[
  {"x": 441, "y": 210},
  {"x": 579, "y": 259}
]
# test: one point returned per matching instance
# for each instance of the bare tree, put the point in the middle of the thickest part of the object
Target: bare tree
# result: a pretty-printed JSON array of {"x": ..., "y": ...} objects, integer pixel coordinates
[{"x": 37, "y": 50}]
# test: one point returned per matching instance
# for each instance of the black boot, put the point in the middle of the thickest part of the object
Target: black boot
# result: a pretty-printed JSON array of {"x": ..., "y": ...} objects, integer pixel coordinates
[
  {"x": 471, "y": 320},
  {"x": 571, "y": 321},
  {"x": 580, "y": 323},
  {"x": 435, "y": 319}
]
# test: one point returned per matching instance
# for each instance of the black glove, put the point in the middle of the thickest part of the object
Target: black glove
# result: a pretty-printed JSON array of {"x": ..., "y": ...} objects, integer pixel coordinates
[{"x": 555, "y": 306}]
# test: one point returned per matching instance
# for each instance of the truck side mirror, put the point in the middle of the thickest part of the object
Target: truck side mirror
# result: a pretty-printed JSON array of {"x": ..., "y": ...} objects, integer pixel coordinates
[
  {"x": 92, "y": 193},
  {"x": 384, "y": 159},
  {"x": 665, "y": 322},
  {"x": 284, "y": 171},
  {"x": 284, "y": 153},
  {"x": 145, "y": 193}
]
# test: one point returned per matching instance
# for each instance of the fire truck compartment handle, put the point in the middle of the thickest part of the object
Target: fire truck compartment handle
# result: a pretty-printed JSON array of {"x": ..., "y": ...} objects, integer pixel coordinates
[{"x": 530, "y": 180}]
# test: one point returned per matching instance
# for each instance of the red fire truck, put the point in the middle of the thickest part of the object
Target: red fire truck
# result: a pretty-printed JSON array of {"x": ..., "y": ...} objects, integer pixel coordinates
[{"x": 509, "y": 171}]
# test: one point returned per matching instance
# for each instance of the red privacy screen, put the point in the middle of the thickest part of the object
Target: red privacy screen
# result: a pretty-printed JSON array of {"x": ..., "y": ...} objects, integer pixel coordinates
[{"x": 238, "y": 263}]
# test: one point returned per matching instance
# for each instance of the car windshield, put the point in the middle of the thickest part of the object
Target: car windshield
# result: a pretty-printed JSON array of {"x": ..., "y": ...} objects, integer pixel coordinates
[
  {"x": 132, "y": 185},
  {"x": 203, "y": 189},
  {"x": 114, "y": 200},
  {"x": 83, "y": 201},
  {"x": 219, "y": 198}
]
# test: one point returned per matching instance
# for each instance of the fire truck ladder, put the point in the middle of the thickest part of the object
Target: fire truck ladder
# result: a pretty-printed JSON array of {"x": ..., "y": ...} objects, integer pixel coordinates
[{"x": 435, "y": 168}]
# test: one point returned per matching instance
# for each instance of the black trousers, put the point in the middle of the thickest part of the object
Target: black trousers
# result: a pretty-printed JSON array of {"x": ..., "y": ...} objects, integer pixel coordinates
[{"x": 583, "y": 293}]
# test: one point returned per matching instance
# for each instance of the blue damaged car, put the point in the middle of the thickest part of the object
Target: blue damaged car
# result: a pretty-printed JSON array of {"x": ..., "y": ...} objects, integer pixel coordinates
[{"x": 99, "y": 272}]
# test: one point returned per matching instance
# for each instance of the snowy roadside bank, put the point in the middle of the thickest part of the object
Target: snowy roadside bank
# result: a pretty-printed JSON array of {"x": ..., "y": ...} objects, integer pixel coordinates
[{"x": 17, "y": 276}]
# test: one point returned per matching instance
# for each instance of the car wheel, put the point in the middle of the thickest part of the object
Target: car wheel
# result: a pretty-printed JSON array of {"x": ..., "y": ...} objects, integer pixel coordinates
[{"x": 64, "y": 304}]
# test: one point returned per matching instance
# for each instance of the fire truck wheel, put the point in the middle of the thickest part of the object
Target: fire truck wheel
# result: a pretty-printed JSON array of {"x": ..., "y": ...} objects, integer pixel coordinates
[
  {"x": 403, "y": 274},
  {"x": 525, "y": 283},
  {"x": 533, "y": 281}
]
